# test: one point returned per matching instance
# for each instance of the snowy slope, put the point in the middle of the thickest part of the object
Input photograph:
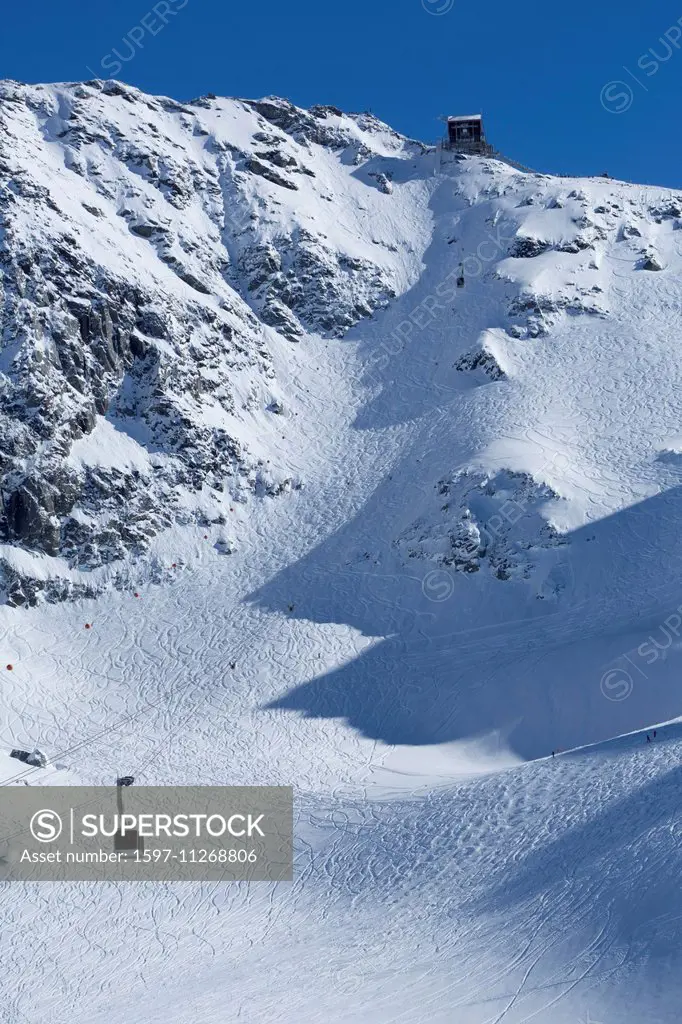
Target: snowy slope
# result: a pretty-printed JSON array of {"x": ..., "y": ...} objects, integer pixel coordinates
[{"x": 480, "y": 566}]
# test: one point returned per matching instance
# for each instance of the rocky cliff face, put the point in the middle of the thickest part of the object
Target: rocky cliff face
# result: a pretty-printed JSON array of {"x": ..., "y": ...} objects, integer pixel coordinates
[{"x": 146, "y": 257}]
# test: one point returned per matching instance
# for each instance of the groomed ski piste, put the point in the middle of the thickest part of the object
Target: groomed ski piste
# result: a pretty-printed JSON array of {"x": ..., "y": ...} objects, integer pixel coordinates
[{"x": 448, "y": 868}]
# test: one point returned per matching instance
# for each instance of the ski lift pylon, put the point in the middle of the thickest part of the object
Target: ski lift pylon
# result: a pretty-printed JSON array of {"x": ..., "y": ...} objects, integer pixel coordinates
[{"x": 129, "y": 845}]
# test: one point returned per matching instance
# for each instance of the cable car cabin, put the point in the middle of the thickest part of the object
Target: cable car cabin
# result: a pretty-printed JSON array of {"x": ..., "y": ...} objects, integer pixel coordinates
[
  {"x": 129, "y": 845},
  {"x": 466, "y": 134}
]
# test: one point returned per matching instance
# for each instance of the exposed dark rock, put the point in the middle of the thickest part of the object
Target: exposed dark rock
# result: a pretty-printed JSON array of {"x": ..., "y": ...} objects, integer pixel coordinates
[
  {"x": 384, "y": 183},
  {"x": 528, "y": 248},
  {"x": 275, "y": 156},
  {"x": 481, "y": 360},
  {"x": 36, "y": 758},
  {"x": 256, "y": 166}
]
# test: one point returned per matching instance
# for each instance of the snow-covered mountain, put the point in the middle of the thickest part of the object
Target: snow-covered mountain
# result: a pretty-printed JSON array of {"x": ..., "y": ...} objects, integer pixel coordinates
[
  {"x": 155, "y": 257},
  {"x": 158, "y": 257},
  {"x": 430, "y": 408}
]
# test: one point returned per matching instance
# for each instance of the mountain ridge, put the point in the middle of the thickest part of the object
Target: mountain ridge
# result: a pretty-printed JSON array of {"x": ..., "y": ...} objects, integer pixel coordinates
[{"x": 155, "y": 254}]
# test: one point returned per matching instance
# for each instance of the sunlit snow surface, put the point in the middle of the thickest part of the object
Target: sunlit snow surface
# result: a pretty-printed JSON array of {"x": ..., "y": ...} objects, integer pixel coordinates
[{"x": 448, "y": 869}]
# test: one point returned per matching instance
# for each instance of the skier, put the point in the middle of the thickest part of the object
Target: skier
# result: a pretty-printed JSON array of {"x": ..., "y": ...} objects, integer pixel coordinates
[
  {"x": 654, "y": 734},
  {"x": 648, "y": 738}
]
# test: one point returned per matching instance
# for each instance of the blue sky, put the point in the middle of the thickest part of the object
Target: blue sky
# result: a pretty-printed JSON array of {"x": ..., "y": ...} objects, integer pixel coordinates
[{"x": 577, "y": 88}]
